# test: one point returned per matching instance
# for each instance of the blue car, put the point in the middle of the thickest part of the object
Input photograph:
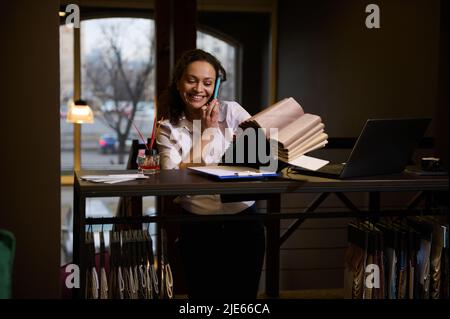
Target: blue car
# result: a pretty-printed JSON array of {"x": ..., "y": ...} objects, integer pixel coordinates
[{"x": 107, "y": 144}]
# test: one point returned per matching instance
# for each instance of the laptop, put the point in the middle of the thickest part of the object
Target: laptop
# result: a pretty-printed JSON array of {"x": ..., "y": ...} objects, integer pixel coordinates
[{"x": 385, "y": 146}]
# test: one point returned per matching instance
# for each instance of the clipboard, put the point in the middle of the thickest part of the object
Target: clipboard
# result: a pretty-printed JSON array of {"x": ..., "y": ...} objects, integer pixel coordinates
[{"x": 224, "y": 172}]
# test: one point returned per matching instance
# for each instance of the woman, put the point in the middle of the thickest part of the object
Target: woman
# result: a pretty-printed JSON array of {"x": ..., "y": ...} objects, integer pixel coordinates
[{"x": 221, "y": 259}]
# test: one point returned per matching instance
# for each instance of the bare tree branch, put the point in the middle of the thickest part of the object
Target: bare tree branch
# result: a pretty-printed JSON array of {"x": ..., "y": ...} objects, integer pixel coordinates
[{"x": 118, "y": 84}]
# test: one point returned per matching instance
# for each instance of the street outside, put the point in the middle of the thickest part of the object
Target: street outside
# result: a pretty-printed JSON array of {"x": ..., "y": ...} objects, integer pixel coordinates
[
  {"x": 92, "y": 156},
  {"x": 93, "y": 159}
]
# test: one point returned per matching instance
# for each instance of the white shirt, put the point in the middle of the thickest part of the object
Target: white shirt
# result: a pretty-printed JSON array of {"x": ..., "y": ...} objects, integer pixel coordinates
[{"x": 176, "y": 141}]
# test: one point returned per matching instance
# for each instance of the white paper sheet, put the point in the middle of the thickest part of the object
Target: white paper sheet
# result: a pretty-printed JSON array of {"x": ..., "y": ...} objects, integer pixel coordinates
[
  {"x": 309, "y": 162},
  {"x": 239, "y": 171},
  {"x": 112, "y": 178}
]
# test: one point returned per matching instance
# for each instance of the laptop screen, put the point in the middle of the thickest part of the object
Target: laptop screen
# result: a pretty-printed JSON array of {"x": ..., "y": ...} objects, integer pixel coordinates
[{"x": 385, "y": 146}]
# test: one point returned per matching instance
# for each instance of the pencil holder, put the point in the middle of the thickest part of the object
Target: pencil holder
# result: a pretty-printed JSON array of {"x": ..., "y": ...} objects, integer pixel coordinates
[{"x": 149, "y": 163}]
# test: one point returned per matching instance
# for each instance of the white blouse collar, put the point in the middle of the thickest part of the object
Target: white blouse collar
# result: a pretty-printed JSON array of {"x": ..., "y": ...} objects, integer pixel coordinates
[{"x": 184, "y": 122}]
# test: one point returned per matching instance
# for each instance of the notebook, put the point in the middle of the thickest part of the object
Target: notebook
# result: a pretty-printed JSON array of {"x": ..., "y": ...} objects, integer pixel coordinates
[
  {"x": 232, "y": 172},
  {"x": 385, "y": 146}
]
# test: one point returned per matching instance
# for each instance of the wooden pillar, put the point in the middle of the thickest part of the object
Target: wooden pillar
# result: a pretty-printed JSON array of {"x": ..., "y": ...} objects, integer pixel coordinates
[
  {"x": 185, "y": 26},
  {"x": 163, "y": 36},
  {"x": 175, "y": 23},
  {"x": 30, "y": 205}
]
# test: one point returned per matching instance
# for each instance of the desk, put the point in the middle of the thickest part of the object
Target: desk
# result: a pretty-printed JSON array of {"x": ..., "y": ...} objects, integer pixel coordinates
[{"x": 185, "y": 182}]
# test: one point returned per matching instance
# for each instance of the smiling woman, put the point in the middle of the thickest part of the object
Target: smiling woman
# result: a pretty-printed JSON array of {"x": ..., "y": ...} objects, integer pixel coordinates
[
  {"x": 186, "y": 104},
  {"x": 191, "y": 87},
  {"x": 196, "y": 88}
]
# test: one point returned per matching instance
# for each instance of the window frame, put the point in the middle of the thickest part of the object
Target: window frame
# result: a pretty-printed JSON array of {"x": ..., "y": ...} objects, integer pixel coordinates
[{"x": 89, "y": 13}]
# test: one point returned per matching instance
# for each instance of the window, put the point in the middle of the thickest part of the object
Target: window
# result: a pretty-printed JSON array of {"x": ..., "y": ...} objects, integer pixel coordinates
[
  {"x": 117, "y": 80},
  {"x": 117, "y": 59},
  {"x": 227, "y": 53}
]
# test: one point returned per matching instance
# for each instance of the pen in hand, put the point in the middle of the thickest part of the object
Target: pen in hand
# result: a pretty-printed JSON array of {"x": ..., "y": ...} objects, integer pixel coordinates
[
  {"x": 216, "y": 88},
  {"x": 216, "y": 92}
]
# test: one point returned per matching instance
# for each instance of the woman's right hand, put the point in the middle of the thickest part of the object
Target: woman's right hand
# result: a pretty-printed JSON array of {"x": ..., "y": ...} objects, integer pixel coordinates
[{"x": 210, "y": 115}]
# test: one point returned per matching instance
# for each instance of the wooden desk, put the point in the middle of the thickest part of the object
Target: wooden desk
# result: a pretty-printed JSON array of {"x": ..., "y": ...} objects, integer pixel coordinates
[{"x": 185, "y": 182}]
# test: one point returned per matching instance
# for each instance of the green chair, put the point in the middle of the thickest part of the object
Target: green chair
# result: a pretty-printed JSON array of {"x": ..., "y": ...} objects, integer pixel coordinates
[{"x": 7, "y": 250}]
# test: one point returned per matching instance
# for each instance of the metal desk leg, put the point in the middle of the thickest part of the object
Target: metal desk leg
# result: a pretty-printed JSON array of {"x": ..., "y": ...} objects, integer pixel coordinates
[
  {"x": 273, "y": 248},
  {"x": 158, "y": 256},
  {"x": 448, "y": 241},
  {"x": 79, "y": 206}
]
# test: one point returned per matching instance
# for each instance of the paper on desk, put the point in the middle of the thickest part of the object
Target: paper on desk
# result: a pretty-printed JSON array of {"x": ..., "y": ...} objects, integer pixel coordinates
[
  {"x": 309, "y": 162},
  {"x": 221, "y": 171},
  {"x": 112, "y": 178},
  {"x": 114, "y": 181}
]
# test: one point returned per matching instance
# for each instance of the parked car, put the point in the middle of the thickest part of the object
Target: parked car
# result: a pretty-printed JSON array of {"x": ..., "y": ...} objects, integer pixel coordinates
[{"x": 108, "y": 144}]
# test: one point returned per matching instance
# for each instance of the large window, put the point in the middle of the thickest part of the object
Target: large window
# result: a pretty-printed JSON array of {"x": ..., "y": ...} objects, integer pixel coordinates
[
  {"x": 117, "y": 58},
  {"x": 117, "y": 80}
]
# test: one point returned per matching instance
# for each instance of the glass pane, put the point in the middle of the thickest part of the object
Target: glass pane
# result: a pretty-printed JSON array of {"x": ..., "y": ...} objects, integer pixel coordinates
[
  {"x": 66, "y": 93},
  {"x": 117, "y": 56},
  {"x": 226, "y": 52}
]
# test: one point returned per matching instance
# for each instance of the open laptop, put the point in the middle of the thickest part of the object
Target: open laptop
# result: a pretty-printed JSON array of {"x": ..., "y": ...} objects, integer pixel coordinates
[{"x": 385, "y": 146}]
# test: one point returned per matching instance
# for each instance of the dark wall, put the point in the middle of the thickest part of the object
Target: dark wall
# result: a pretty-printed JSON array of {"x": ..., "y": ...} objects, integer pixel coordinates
[
  {"x": 335, "y": 67},
  {"x": 252, "y": 31},
  {"x": 30, "y": 143}
]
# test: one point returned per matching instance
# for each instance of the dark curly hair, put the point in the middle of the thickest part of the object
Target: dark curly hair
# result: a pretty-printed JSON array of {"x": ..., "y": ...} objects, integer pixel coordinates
[{"x": 170, "y": 105}]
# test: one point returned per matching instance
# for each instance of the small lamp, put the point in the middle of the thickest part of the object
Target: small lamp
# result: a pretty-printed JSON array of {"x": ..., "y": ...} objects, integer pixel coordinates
[{"x": 80, "y": 112}]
